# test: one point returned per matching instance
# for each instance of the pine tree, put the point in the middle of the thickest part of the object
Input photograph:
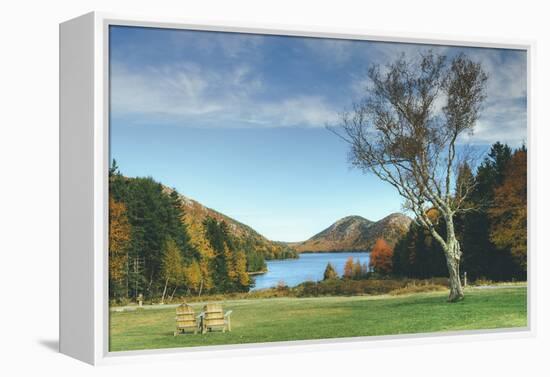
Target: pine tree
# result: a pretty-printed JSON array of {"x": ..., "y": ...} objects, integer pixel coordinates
[
  {"x": 154, "y": 215},
  {"x": 509, "y": 213},
  {"x": 242, "y": 278},
  {"x": 119, "y": 241},
  {"x": 330, "y": 273},
  {"x": 481, "y": 258},
  {"x": 493, "y": 237}
]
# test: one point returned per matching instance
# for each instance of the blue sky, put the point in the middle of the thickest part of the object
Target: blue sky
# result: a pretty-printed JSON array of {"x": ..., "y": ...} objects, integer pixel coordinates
[{"x": 237, "y": 121}]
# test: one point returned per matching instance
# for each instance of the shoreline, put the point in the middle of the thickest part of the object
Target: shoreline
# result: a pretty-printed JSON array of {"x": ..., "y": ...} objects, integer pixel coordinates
[
  {"x": 334, "y": 252},
  {"x": 254, "y": 273}
]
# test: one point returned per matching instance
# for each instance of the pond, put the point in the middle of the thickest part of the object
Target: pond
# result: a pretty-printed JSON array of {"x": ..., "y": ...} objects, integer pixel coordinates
[{"x": 308, "y": 267}]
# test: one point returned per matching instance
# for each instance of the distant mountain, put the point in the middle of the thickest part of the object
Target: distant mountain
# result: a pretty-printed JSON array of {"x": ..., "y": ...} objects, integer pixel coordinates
[
  {"x": 196, "y": 213},
  {"x": 355, "y": 233}
]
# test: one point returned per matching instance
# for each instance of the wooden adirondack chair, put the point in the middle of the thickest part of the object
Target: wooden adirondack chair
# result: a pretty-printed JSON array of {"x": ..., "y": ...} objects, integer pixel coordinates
[
  {"x": 185, "y": 319},
  {"x": 212, "y": 317}
]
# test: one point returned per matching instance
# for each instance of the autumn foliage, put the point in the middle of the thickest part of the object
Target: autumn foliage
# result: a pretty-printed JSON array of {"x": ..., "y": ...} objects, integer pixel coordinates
[
  {"x": 509, "y": 212},
  {"x": 493, "y": 237},
  {"x": 348, "y": 268},
  {"x": 172, "y": 266},
  {"x": 119, "y": 238},
  {"x": 330, "y": 272},
  {"x": 381, "y": 257},
  {"x": 158, "y": 252},
  {"x": 353, "y": 269}
]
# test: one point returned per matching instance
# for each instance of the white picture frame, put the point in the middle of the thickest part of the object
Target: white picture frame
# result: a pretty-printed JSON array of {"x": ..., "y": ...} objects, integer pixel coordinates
[{"x": 84, "y": 163}]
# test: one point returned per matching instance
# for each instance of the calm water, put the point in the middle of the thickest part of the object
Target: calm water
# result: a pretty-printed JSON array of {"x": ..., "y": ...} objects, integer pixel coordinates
[{"x": 307, "y": 267}]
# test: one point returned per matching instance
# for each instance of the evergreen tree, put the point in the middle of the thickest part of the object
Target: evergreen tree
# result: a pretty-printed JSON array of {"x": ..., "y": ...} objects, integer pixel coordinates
[
  {"x": 229, "y": 269},
  {"x": 481, "y": 258},
  {"x": 154, "y": 216},
  {"x": 493, "y": 237},
  {"x": 330, "y": 272},
  {"x": 242, "y": 280},
  {"x": 119, "y": 241},
  {"x": 509, "y": 212},
  {"x": 416, "y": 255}
]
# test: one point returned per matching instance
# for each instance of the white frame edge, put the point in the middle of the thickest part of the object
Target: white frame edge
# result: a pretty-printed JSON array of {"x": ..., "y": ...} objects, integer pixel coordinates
[
  {"x": 76, "y": 179},
  {"x": 84, "y": 318}
]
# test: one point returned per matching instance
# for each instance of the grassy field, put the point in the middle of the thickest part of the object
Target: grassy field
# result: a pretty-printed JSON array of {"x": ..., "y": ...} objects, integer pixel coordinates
[{"x": 282, "y": 319}]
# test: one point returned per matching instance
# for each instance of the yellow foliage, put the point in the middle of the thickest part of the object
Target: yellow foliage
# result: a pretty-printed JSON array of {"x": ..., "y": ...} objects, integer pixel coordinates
[
  {"x": 172, "y": 264},
  {"x": 348, "y": 268},
  {"x": 240, "y": 268},
  {"x": 197, "y": 237},
  {"x": 230, "y": 265},
  {"x": 119, "y": 239},
  {"x": 192, "y": 275},
  {"x": 205, "y": 274},
  {"x": 509, "y": 212}
]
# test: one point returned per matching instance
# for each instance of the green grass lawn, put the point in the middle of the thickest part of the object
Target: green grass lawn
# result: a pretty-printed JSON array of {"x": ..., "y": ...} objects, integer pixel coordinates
[{"x": 283, "y": 319}]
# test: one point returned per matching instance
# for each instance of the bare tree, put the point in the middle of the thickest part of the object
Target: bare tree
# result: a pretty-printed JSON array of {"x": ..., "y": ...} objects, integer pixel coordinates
[{"x": 405, "y": 131}]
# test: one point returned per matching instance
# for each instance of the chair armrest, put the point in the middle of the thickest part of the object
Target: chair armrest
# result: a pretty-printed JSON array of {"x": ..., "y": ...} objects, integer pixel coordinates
[{"x": 228, "y": 313}]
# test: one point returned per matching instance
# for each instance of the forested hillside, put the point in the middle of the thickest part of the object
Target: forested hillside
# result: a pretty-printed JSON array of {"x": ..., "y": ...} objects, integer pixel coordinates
[
  {"x": 162, "y": 244},
  {"x": 195, "y": 214}
]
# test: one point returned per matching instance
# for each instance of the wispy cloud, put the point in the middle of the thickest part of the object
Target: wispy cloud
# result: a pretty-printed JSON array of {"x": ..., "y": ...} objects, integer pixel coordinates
[
  {"x": 229, "y": 98},
  {"x": 165, "y": 90},
  {"x": 504, "y": 114},
  {"x": 239, "y": 80},
  {"x": 230, "y": 45}
]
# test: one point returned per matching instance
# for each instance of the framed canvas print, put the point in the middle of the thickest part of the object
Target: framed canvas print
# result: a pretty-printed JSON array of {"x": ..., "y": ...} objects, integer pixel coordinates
[{"x": 224, "y": 187}]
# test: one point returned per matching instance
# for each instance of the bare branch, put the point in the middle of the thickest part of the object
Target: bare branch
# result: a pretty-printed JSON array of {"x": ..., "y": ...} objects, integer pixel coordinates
[{"x": 397, "y": 133}]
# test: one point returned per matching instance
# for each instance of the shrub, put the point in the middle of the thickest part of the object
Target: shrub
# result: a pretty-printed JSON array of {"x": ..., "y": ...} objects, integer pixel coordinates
[
  {"x": 413, "y": 288},
  {"x": 349, "y": 287}
]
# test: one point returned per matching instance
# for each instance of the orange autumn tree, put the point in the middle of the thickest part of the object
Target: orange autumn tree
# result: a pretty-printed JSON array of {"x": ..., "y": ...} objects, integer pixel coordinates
[
  {"x": 381, "y": 257},
  {"x": 119, "y": 240},
  {"x": 509, "y": 211},
  {"x": 348, "y": 268}
]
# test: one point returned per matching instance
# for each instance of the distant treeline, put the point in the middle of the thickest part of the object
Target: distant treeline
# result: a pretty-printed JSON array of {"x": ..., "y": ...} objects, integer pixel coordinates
[
  {"x": 155, "y": 254},
  {"x": 492, "y": 234}
]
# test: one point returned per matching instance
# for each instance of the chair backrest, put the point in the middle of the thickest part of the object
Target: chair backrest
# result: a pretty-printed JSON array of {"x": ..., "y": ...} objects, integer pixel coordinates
[
  {"x": 213, "y": 315},
  {"x": 185, "y": 316}
]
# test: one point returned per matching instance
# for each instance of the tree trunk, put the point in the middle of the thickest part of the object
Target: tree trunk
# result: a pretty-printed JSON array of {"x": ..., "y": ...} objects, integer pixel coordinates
[
  {"x": 200, "y": 289},
  {"x": 453, "y": 264},
  {"x": 173, "y": 293},
  {"x": 164, "y": 292}
]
